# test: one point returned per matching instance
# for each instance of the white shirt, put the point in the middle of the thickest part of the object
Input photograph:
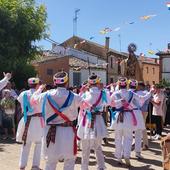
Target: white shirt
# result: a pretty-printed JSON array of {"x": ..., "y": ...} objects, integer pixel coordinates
[
  {"x": 59, "y": 95},
  {"x": 157, "y": 109}
]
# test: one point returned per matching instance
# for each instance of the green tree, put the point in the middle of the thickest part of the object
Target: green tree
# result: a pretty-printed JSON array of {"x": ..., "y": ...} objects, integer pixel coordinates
[
  {"x": 22, "y": 23},
  {"x": 165, "y": 83}
]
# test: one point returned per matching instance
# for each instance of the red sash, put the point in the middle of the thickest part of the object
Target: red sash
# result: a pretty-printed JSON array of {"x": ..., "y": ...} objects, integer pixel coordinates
[{"x": 66, "y": 119}]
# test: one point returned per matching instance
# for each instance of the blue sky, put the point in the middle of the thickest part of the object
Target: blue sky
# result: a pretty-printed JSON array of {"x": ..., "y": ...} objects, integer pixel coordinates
[{"x": 95, "y": 15}]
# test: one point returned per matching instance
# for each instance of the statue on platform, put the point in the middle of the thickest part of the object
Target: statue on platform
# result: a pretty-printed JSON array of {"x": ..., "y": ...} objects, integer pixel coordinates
[{"x": 130, "y": 67}]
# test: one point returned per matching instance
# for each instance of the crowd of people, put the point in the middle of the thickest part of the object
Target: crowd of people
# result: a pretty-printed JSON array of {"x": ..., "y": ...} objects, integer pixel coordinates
[{"x": 59, "y": 118}]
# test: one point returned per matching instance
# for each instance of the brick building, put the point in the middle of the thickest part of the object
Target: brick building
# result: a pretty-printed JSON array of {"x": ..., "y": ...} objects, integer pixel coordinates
[
  {"x": 81, "y": 57},
  {"x": 164, "y": 57},
  {"x": 150, "y": 70},
  {"x": 77, "y": 64},
  {"x": 111, "y": 56}
]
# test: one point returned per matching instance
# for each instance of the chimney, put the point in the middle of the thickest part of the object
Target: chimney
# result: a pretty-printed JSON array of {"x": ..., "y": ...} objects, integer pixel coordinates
[
  {"x": 107, "y": 42},
  {"x": 53, "y": 45}
]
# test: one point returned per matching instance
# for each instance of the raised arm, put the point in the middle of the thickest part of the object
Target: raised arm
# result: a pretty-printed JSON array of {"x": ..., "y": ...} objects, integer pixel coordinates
[
  {"x": 4, "y": 81},
  {"x": 38, "y": 97},
  {"x": 117, "y": 103}
]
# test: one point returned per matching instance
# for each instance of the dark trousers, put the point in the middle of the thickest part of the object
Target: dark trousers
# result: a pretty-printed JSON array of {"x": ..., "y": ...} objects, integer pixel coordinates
[{"x": 158, "y": 121}]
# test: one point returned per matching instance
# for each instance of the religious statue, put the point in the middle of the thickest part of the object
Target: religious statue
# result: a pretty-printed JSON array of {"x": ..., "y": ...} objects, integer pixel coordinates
[{"x": 130, "y": 67}]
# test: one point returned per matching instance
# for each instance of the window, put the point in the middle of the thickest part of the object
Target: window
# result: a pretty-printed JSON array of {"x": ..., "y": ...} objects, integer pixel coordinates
[
  {"x": 153, "y": 82},
  {"x": 111, "y": 62},
  {"x": 49, "y": 71},
  {"x": 153, "y": 70},
  {"x": 147, "y": 70},
  {"x": 76, "y": 78}
]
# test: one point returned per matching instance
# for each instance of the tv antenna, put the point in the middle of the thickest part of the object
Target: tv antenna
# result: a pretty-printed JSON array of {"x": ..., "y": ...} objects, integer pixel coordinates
[{"x": 75, "y": 21}]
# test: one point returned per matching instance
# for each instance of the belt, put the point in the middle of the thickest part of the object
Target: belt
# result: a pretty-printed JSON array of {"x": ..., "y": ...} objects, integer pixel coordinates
[
  {"x": 52, "y": 131},
  {"x": 121, "y": 114},
  {"x": 24, "y": 136},
  {"x": 94, "y": 118},
  {"x": 96, "y": 113}
]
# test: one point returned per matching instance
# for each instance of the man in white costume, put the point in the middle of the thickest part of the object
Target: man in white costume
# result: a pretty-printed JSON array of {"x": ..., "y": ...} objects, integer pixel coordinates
[
  {"x": 125, "y": 119},
  {"x": 122, "y": 122},
  {"x": 92, "y": 128},
  {"x": 4, "y": 81},
  {"x": 136, "y": 102},
  {"x": 60, "y": 107},
  {"x": 30, "y": 128}
]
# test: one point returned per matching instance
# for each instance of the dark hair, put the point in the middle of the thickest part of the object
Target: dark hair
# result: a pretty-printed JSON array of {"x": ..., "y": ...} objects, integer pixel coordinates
[
  {"x": 132, "y": 87},
  {"x": 93, "y": 76},
  {"x": 48, "y": 87},
  {"x": 141, "y": 83},
  {"x": 32, "y": 85},
  {"x": 122, "y": 87}
]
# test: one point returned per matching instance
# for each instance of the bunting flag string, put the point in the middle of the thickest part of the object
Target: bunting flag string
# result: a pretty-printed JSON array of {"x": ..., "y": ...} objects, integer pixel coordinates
[{"x": 168, "y": 5}]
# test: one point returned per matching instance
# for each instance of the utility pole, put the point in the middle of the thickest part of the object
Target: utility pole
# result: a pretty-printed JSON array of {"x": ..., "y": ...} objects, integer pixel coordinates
[
  {"x": 89, "y": 66},
  {"x": 75, "y": 21},
  {"x": 120, "y": 43}
]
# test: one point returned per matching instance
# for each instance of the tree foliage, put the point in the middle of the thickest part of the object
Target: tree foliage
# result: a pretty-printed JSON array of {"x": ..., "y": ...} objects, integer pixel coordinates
[
  {"x": 22, "y": 23},
  {"x": 165, "y": 83}
]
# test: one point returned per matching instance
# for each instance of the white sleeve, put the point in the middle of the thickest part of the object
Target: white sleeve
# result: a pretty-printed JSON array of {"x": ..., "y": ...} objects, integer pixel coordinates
[
  {"x": 38, "y": 97},
  {"x": 141, "y": 98},
  {"x": 109, "y": 100},
  {"x": 78, "y": 99},
  {"x": 3, "y": 82},
  {"x": 117, "y": 103},
  {"x": 20, "y": 97}
]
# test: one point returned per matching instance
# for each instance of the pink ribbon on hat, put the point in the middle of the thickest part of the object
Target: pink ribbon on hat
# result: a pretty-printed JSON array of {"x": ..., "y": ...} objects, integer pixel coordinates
[{"x": 133, "y": 83}]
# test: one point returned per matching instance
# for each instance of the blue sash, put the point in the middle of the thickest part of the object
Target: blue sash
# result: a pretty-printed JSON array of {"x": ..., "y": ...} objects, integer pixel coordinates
[
  {"x": 66, "y": 104},
  {"x": 26, "y": 106},
  {"x": 96, "y": 108},
  {"x": 121, "y": 109}
]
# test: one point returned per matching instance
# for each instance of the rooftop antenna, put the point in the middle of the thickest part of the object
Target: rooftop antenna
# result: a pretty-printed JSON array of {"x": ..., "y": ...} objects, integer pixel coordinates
[
  {"x": 120, "y": 42},
  {"x": 75, "y": 21}
]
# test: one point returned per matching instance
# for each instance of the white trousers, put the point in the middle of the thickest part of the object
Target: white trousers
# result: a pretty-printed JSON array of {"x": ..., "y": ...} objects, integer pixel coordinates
[
  {"x": 51, "y": 164},
  {"x": 138, "y": 140},
  {"x": 145, "y": 135},
  {"x": 87, "y": 145},
  {"x": 25, "y": 153},
  {"x": 123, "y": 143}
]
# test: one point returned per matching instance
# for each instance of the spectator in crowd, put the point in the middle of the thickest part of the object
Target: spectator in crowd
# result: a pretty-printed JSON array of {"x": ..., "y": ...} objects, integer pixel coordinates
[
  {"x": 158, "y": 114},
  {"x": 8, "y": 105},
  {"x": 167, "y": 117},
  {"x": 144, "y": 108},
  {"x": 12, "y": 91}
]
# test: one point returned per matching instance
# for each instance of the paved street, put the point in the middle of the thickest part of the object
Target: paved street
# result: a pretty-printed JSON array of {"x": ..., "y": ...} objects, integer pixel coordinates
[{"x": 9, "y": 155}]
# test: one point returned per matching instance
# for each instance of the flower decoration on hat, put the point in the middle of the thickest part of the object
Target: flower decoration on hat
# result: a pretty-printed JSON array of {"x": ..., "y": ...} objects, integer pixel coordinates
[
  {"x": 33, "y": 80},
  {"x": 122, "y": 81},
  {"x": 133, "y": 83},
  {"x": 60, "y": 78}
]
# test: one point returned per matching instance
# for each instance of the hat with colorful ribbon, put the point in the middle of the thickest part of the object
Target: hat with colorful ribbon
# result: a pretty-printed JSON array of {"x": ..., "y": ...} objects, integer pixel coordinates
[
  {"x": 133, "y": 83},
  {"x": 33, "y": 80},
  {"x": 60, "y": 78},
  {"x": 94, "y": 79},
  {"x": 122, "y": 82}
]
